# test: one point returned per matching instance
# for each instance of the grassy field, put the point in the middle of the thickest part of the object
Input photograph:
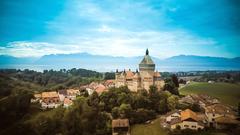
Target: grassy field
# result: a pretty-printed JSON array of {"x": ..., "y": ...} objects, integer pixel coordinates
[
  {"x": 227, "y": 93},
  {"x": 153, "y": 128}
]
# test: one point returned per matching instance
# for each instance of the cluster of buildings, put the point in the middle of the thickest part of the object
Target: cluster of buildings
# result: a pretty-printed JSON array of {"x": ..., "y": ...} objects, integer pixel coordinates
[
  {"x": 184, "y": 119},
  {"x": 54, "y": 99},
  {"x": 142, "y": 78},
  {"x": 201, "y": 99},
  {"x": 213, "y": 114},
  {"x": 98, "y": 87}
]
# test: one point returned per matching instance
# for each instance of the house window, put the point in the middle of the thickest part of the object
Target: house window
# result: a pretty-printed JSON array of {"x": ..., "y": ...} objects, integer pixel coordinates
[
  {"x": 214, "y": 115},
  {"x": 213, "y": 119},
  {"x": 193, "y": 126},
  {"x": 186, "y": 126}
]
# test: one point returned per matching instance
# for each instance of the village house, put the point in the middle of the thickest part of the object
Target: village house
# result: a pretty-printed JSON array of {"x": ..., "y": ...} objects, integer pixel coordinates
[
  {"x": 100, "y": 89},
  {"x": 67, "y": 102},
  {"x": 62, "y": 94},
  {"x": 72, "y": 93},
  {"x": 89, "y": 91},
  {"x": 187, "y": 120},
  {"x": 50, "y": 100},
  {"x": 202, "y": 99},
  {"x": 120, "y": 127},
  {"x": 37, "y": 98},
  {"x": 219, "y": 116},
  {"x": 91, "y": 87},
  {"x": 109, "y": 83},
  {"x": 172, "y": 115},
  {"x": 226, "y": 122}
]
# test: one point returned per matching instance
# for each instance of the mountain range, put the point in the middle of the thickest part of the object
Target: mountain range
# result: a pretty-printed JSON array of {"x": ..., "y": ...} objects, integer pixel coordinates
[{"x": 110, "y": 63}]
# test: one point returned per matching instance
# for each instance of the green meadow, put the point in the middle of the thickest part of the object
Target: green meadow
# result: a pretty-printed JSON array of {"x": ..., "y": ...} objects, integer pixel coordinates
[
  {"x": 153, "y": 128},
  {"x": 227, "y": 93}
]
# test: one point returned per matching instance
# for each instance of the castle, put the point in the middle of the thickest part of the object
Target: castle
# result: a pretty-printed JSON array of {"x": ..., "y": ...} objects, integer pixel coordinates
[{"x": 142, "y": 79}]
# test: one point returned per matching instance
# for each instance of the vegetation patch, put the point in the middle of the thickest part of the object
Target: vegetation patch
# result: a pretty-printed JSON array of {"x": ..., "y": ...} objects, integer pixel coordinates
[
  {"x": 228, "y": 93},
  {"x": 153, "y": 128}
]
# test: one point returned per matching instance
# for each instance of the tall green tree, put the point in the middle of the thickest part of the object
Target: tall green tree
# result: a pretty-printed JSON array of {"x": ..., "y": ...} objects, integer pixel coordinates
[{"x": 175, "y": 80}]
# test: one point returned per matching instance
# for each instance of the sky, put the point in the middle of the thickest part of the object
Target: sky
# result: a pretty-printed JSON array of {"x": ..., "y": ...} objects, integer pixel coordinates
[{"x": 33, "y": 28}]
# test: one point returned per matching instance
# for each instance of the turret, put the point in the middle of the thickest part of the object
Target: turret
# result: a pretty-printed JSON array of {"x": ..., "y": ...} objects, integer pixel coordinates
[{"x": 147, "y": 63}]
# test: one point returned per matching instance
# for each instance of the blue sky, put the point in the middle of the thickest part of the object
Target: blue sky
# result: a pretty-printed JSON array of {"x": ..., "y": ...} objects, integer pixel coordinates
[{"x": 120, "y": 27}]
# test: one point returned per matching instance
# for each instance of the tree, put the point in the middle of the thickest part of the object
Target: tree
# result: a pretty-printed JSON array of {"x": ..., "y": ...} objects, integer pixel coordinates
[
  {"x": 103, "y": 126},
  {"x": 142, "y": 115},
  {"x": 175, "y": 80},
  {"x": 109, "y": 75},
  {"x": 172, "y": 102},
  {"x": 163, "y": 106},
  {"x": 196, "y": 107},
  {"x": 125, "y": 110},
  {"x": 115, "y": 112},
  {"x": 14, "y": 107},
  {"x": 170, "y": 86},
  {"x": 94, "y": 99},
  {"x": 141, "y": 100},
  {"x": 163, "y": 103},
  {"x": 239, "y": 108},
  {"x": 80, "y": 118},
  {"x": 124, "y": 98},
  {"x": 154, "y": 98}
]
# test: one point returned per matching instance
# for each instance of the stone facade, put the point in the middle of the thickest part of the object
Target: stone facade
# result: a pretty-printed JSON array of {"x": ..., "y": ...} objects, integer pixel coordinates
[{"x": 142, "y": 79}]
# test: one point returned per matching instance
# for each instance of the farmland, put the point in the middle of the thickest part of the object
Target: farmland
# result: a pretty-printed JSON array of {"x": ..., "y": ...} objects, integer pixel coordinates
[{"x": 227, "y": 93}]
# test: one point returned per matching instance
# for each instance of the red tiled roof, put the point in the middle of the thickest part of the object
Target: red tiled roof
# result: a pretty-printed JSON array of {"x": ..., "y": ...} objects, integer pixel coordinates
[
  {"x": 67, "y": 101},
  {"x": 120, "y": 123},
  {"x": 157, "y": 74},
  {"x": 186, "y": 114},
  {"x": 49, "y": 94},
  {"x": 129, "y": 74},
  {"x": 108, "y": 82},
  {"x": 100, "y": 88}
]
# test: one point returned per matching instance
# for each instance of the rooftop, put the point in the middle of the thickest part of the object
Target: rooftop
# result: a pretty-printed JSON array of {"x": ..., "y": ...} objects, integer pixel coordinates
[
  {"x": 226, "y": 120},
  {"x": 219, "y": 109},
  {"x": 67, "y": 101},
  {"x": 100, "y": 88},
  {"x": 49, "y": 94},
  {"x": 120, "y": 123},
  {"x": 129, "y": 74},
  {"x": 188, "y": 114},
  {"x": 147, "y": 63}
]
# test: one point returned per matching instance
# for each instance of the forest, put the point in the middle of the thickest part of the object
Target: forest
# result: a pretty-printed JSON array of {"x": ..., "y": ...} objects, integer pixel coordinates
[{"x": 89, "y": 115}]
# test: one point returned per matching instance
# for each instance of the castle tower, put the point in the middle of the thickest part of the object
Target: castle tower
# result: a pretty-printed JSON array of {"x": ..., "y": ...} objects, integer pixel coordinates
[
  {"x": 142, "y": 78},
  {"x": 147, "y": 68},
  {"x": 136, "y": 81},
  {"x": 120, "y": 78},
  {"x": 147, "y": 63}
]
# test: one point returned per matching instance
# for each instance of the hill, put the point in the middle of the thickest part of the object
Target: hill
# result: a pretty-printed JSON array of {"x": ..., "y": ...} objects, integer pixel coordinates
[
  {"x": 110, "y": 63},
  {"x": 227, "y": 93}
]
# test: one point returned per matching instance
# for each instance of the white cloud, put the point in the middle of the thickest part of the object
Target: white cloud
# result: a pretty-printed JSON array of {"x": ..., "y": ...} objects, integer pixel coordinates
[
  {"x": 116, "y": 43},
  {"x": 105, "y": 28}
]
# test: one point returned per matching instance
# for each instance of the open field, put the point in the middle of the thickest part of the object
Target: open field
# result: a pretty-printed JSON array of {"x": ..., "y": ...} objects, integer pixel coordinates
[
  {"x": 153, "y": 128},
  {"x": 227, "y": 93}
]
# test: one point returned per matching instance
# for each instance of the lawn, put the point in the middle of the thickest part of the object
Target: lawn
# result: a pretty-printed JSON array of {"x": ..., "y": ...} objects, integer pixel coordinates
[
  {"x": 153, "y": 128},
  {"x": 227, "y": 93}
]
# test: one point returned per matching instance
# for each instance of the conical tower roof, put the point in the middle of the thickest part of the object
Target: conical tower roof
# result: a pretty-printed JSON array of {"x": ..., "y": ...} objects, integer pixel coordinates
[{"x": 147, "y": 62}]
